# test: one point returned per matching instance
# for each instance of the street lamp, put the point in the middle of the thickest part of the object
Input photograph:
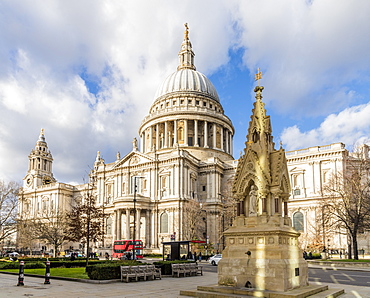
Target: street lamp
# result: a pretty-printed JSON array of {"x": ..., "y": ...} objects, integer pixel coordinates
[{"x": 134, "y": 236}]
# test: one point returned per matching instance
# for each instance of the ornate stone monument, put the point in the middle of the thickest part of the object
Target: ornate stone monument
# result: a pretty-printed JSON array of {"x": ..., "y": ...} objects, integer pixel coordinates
[{"x": 262, "y": 246}]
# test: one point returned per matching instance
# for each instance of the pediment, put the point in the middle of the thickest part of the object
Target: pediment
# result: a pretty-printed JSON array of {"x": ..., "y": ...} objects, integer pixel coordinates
[
  {"x": 133, "y": 158},
  {"x": 297, "y": 170}
]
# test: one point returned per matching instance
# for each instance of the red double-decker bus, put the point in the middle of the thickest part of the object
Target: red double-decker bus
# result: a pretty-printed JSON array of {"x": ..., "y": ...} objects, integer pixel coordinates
[{"x": 123, "y": 247}]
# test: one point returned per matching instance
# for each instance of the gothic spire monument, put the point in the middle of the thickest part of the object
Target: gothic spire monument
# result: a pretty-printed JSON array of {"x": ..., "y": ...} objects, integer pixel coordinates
[{"x": 262, "y": 247}]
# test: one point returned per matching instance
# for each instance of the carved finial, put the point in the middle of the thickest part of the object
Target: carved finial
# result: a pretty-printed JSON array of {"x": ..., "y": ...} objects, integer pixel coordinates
[
  {"x": 186, "y": 33},
  {"x": 281, "y": 145},
  {"x": 258, "y": 76},
  {"x": 42, "y": 132}
]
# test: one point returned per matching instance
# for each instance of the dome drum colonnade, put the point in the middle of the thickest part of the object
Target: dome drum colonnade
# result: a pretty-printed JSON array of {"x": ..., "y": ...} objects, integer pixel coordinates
[{"x": 187, "y": 111}]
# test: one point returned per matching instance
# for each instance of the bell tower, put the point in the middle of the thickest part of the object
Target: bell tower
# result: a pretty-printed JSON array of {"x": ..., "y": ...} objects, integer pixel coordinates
[{"x": 40, "y": 163}]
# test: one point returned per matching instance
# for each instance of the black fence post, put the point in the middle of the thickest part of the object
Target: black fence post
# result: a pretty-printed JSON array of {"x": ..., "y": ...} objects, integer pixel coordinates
[
  {"x": 47, "y": 273},
  {"x": 21, "y": 274}
]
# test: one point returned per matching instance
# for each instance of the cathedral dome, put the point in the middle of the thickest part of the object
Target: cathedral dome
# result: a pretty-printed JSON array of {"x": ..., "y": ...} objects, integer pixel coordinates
[{"x": 186, "y": 79}]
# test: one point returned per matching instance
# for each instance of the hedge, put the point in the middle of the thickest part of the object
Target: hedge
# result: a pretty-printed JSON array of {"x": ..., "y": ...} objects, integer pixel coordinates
[
  {"x": 109, "y": 270},
  {"x": 166, "y": 268},
  {"x": 27, "y": 265}
]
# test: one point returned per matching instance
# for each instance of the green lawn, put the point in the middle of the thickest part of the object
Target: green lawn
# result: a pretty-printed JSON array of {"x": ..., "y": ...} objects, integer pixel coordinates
[{"x": 63, "y": 272}]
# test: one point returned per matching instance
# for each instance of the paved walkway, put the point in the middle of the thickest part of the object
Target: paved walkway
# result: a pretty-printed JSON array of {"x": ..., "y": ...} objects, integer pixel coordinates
[{"x": 167, "y": 287}]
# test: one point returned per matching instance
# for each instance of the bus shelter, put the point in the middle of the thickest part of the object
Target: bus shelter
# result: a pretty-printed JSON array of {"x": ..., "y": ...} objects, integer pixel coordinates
[{"x": 178, "y": 250}]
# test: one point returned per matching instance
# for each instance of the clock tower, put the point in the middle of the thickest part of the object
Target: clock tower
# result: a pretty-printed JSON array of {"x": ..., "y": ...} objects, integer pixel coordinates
[{"x": 40, "y": 165}]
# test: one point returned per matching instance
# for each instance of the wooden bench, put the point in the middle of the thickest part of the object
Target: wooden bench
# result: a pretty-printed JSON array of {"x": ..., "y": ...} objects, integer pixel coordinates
[
  {"x": 187, "y": 269},
  {"x": 145, "y": 272},
  {"x": 127, "y": 273}
]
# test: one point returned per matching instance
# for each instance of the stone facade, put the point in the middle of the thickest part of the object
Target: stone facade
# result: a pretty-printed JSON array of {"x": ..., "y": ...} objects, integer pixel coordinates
[
  {"x": 181, "y": 165},
  {"x": 183, "y": 158}
]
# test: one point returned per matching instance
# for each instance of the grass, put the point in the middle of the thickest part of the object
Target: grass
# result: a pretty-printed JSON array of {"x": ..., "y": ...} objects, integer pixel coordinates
[{"x": 61, "y": 272}]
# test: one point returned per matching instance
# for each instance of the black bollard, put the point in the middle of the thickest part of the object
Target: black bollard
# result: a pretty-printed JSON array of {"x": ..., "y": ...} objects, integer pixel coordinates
[
  {"x": 47, "y": 274},
  {"x": 21, "y": 274}
]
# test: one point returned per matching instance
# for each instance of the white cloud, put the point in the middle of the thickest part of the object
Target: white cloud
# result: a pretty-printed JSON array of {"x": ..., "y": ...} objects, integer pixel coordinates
[
  {"x": 54, "y": 53},
  {"x": 349, "y": 126}
]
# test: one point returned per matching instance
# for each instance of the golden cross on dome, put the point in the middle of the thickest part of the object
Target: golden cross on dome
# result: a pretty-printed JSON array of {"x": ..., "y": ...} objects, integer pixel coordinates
[
  {"x": 42, "y": 131},
  {"x": 258, "y": 76}
]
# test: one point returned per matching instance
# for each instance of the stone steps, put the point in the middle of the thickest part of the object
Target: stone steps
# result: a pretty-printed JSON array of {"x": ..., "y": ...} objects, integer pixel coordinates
[
  {"x": 224, "y": 292},
  {"x": 330, "y": 293}
]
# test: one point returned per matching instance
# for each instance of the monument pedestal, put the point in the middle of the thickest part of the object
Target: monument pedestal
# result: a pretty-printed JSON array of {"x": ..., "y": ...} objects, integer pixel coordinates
[{"x": 262, "y": 253}]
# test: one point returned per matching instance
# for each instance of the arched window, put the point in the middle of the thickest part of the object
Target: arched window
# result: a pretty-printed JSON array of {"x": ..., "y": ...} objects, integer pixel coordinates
[
  {"x": 298, "y": 221},
  {"x": 164, "y": 223},
  {"x": 109, "y": 226}
]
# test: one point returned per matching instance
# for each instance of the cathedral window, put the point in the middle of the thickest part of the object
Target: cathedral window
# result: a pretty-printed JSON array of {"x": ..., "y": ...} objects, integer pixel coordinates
[
  {"x": 182, "y": 101},
  {"x": 297, "y": 192},
  {"x": 197, "y": 102},
  {"x": 108, "y": 226},
  {"x": 144, "y": 184},
  {"x": 325, "y": 176},
  {"x": 174, "y": 102},
  {"x": 203, "y": 188},
  {"x": 164, "y": 223},
  {"x": 298, "y": 221},
  {"x": 123, "y": 188},
  {"x": 204, "y": 103}
]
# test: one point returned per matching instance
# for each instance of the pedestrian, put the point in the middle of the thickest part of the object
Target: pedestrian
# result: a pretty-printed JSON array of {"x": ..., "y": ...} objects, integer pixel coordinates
[
  {"x": 305, "y": 255},
  {"x": 107, "y": 256},
  {"x": 200, "y": 257},
  {"x": 195, "y": 256}
]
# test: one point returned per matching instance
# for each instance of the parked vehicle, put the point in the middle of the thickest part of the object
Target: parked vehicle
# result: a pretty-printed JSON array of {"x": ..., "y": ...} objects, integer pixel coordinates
[
  {"x": 125, "y": 249},
  {"x": 215, "y": 259}
]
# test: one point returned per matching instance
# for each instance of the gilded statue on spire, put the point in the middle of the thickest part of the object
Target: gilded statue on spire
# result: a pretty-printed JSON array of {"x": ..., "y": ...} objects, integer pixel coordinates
[
  {"x": 42, "y": 131},
  {"x": 186, "y": 33}
]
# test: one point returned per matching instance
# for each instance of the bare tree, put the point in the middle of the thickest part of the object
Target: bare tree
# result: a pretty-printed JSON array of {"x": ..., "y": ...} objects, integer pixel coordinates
[
  {"x": 8, "y": 208},
  {"x": 84, "y": 222},
  {"x": 348, "y": 197},
  {"x": 52, "y": 229},
  {"x": 194, "y": 219}
]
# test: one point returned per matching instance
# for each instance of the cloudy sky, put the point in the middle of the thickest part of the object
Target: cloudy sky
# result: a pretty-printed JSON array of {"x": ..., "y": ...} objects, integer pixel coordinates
[{"x": 87, "y": 70}]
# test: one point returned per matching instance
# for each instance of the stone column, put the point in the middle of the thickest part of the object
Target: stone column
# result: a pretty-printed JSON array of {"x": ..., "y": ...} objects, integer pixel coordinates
[
  {"x": 196, "y": 133},
  {"x": 128, "y": 234},
  {"x": 185, "y": 132},
  {"x": 205, "y": 134},
  {"x": 222, "y": 138},
  {"x": 147, "y": 229},
  {"x": 119, "y": 224},
  {"x": 231, "y": 144},
  {"x": 214, "y": 126},
  {"x": 142, "y": 141},
  {"x": 165, "y": 134},
  {"x": 115, "y": 225},
  {"x": 150, "y": 138},
  {"x": 138, "y": 213},
  {"x": 157, "y": 136},
  {"x": 227, "y": 140},
  {"x": 174, "y": 132}
]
